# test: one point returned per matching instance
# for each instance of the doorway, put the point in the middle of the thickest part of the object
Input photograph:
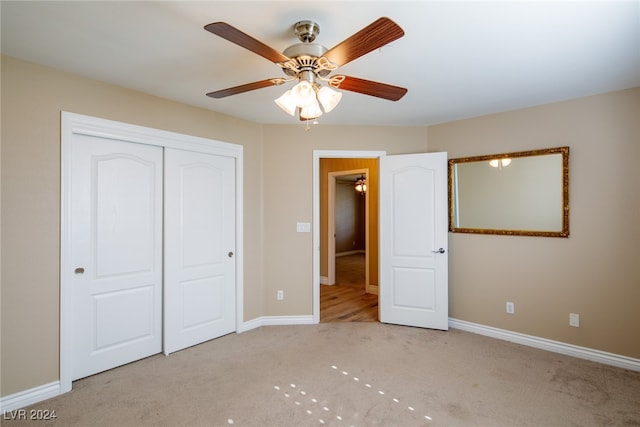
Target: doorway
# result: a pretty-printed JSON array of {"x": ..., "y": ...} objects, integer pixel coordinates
[
  {"x": 346, "y": 294},
  {"x": 344, "y": 163},
  {"x": 414, "y": 294}
]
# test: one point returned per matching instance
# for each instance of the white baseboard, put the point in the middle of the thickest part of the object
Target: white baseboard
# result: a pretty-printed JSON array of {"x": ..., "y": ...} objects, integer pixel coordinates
[
  {"x": 276, "y": 320},
  {"x": 549, "y": 345},
  {"x": 29, "y": 397}
]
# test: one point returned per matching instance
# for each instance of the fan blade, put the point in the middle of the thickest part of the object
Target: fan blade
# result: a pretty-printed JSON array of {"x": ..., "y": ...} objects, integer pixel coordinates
[
  {"x": 372, "y": 37},
  {"x": 242, "y": 88},
  {"x": 368, "y": 87},
  {"x": 236, "y": 36}
]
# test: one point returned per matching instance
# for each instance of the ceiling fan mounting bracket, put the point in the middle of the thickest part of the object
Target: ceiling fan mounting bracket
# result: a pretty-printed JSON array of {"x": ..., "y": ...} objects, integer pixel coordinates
[{"x": 307, "y": 31}]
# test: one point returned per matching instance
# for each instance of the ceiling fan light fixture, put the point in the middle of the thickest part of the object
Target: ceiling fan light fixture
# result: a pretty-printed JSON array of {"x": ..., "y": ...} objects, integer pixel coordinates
[
  {"x": 287, "y": 103},
  {"x": 303, "y": 94},
  {"x": 312, "y": 111},
  {"x": 329, "y": 98}
]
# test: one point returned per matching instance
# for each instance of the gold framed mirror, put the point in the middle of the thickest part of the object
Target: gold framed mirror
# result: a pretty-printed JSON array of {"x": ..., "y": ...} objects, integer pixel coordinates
[{"x": 522, "y": 193}]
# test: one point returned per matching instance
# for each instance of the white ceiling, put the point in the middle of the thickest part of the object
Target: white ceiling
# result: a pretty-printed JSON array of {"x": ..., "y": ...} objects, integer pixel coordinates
[{"x": 457, "y": 59}]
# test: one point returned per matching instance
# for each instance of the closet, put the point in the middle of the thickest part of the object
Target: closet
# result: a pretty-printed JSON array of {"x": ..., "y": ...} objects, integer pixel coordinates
[{"x": 149, "y": 256}]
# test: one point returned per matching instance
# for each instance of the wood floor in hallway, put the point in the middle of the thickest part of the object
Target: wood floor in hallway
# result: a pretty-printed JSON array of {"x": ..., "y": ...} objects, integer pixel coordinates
[{"x": 347, "y": 301}]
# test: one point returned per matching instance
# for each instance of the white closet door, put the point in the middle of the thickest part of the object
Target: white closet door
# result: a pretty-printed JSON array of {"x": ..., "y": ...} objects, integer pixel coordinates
[
  {"x": 116, "y": 251},
  {"x": 200, "y": 282}
]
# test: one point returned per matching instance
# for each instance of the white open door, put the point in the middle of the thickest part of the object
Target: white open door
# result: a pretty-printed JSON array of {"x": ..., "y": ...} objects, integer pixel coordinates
[
  {"x": 199, "y": 246},
  {"x": 116, "y": 253},
  {"x": 413, "y": 240}
]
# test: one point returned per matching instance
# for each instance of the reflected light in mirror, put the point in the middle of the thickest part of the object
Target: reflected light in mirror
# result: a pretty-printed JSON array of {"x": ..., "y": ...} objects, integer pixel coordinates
[{"x": 500, "y": 163}]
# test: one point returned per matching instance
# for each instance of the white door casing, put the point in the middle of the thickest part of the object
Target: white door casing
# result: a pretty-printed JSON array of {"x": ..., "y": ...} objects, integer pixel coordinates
[
  {"x": 199, "y": 247},
  {"x": 116, "y": 235},
  {"x": 413, "y": 240}
]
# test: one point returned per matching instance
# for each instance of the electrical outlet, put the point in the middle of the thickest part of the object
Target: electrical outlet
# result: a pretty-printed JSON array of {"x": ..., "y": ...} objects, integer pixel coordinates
[
  {"x": 574, "y": 320},
  {"x": 280, "y": 295},
  {"x": 511, "y": 309}
]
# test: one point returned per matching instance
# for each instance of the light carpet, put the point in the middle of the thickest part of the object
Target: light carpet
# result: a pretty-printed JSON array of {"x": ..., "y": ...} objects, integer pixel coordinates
[{"x": 352, "y": 374}]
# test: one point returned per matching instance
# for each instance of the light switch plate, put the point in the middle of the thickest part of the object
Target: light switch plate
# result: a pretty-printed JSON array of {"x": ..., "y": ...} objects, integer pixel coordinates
[{"x": 303, "y": 227}]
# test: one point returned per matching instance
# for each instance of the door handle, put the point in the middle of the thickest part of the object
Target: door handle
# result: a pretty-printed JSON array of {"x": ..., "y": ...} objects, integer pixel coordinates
[
  {"x": 230, "y": 254},
  {"x": 79, "y": 270},
  {"x": 439, "y": 251}
]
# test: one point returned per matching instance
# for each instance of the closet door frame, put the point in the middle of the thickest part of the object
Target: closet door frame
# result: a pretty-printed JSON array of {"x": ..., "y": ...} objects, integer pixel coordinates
[{"x": 77, "y": 124}]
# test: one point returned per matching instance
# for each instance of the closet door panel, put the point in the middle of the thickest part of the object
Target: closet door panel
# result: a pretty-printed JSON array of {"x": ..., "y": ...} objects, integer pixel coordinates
[
  {"x": 116, "y": 248},
  {"x": 199, "y": 244}
]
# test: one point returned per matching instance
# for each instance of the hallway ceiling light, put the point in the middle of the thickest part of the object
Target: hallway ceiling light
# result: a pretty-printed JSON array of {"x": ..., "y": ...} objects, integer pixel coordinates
[{"x": 361, "y": 185}]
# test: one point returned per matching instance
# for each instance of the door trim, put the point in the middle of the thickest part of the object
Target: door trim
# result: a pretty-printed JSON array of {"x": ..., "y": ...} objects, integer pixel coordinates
[
  {"x": 77, "y": 124},
  {"x": 317, "y": 155}
]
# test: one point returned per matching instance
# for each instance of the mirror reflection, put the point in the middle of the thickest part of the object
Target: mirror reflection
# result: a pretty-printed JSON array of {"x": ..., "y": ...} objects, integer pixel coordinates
[{"x": 521, "y": 193}]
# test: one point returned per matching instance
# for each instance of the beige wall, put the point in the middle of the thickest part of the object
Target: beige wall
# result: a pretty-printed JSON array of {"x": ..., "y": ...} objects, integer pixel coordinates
[
  {"x": 287, "y": 181},
  {"x": 32, "y": 98},
  {"x": 591, "y": 273},
  {"x": 595, "y": 271},
  {"x": 277, "y": 173}
]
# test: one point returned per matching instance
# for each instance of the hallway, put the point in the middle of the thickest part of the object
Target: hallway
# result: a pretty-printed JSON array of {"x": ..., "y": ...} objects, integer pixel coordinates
[{"x": 347, "y": 301}]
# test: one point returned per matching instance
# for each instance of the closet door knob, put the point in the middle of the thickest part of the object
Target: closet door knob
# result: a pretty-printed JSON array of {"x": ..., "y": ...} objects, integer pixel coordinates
[
  {"x": 79, "y": 270},
  {"x": 230, "y": 254},
  {"x": 439, "y": 251}
]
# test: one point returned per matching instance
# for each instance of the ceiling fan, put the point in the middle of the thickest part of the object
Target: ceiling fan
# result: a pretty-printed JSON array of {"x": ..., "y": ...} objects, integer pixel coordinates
[{"x": 311, "y": 64}]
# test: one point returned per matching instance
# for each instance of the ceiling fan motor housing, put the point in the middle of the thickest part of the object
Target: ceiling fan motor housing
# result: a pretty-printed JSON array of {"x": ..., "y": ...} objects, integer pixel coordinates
[{"x": 306, "y": 53}]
